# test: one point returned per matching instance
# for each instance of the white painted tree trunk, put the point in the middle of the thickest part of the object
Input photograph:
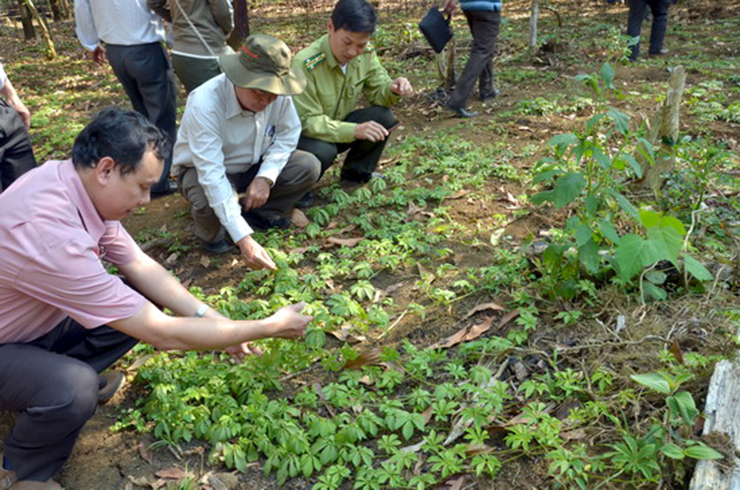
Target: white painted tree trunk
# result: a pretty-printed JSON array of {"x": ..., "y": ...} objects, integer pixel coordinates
[
  {"x": 534, "y": 15},
  {"x": 722, "y": 413}
]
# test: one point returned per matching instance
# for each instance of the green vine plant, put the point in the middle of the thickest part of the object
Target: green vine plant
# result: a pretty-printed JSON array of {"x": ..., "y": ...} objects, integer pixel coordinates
[{"x": 587, "y": 173}]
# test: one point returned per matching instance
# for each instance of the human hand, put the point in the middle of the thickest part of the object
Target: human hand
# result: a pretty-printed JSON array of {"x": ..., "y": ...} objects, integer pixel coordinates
[
  {"x": 240, "y": 352},
  {"x": 401, "y": 86},
  {"x": 289, "y": 323},
  {"x": 371, "y": 131},
  {"x": 98, "y": 56},
  {"x": 23, "y": 111},
  {"x": 254, "y": 255},
  {"x": 257, "y": 193},
  {"x": 449, "y": 7}
]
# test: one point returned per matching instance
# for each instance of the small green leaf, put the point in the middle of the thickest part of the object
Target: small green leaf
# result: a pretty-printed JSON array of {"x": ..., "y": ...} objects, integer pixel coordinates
[
  {"x": 654, "y": 381},
  {"x": 656, "y": 277},
  {"x": 607, "y": 75},
  {"x": 702, "y": 451},
  {"x": 633, "y": 254},
  {"x": 607, "y": 229},
  {"x": 672, "y": 451},
  {"x": 567, "y": 188},
  {"x": 626, "y": 206},
  {"x": 621, "y": 120},
  {"x": 654, "y": 292},
  {"x": 696, "y": 268},
  {"x": 588, "y": 254},
  {"x": 563, "y": 140}
]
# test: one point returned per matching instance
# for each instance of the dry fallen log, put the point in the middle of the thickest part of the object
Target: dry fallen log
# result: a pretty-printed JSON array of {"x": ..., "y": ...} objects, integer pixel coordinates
[{"x": 722, "y": 415}]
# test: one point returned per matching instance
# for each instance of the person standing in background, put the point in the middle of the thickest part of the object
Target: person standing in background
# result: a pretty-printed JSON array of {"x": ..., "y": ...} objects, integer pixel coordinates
[
  {"x": 659, "y": 9},
  {"x": 200, "y": 29},
  {"x": 131, "y": 36},
  {"x": 16, "y": 154},
  {"x": 484, "y": 17}
]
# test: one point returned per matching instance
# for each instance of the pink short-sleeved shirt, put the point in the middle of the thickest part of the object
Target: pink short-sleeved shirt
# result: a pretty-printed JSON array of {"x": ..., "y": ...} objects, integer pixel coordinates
[{"x": 52, "y": 241}]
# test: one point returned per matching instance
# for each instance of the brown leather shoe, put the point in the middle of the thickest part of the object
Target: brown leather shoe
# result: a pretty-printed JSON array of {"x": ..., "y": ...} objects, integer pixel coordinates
[
  {"x": 7, "y": 477},
  {"x": 108, "y": 385},
  {"x": 36, "y": 485}
]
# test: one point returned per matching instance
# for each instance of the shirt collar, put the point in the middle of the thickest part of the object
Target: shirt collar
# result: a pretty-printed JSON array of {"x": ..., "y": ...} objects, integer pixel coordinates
[{"x": 91, "y": 220}]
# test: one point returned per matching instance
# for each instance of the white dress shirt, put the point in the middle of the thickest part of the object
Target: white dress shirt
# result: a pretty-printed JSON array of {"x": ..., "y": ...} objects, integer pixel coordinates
[
  {"x": 3, "y": 77},
  {"x": 121, "y": 22},
  {"x": 218, "y": 137}
]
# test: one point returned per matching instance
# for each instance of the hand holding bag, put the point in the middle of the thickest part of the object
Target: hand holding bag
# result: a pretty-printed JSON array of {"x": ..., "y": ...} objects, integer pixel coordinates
[{"x": 436, "y": 29}]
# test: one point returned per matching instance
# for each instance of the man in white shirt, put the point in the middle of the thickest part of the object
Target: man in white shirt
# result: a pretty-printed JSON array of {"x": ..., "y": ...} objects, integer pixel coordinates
[
  {"x": 133, "y": 37},
  {"x": 16, "y": 154},
  {"x": 239, "y": 134}
]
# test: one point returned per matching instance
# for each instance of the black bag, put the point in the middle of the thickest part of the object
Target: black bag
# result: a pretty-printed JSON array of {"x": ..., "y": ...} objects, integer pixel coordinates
[{"x": 436, "y": 29}]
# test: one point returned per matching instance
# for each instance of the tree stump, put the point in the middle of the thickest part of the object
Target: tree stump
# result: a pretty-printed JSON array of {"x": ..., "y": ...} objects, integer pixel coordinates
[{"x": 722, "y": 413}]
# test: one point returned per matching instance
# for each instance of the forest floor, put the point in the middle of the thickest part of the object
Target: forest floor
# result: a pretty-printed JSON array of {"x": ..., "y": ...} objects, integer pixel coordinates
[{"x": 484, "y": 222}]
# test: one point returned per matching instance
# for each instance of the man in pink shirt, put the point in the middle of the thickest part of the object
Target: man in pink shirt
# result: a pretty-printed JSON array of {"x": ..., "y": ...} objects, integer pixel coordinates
[{"x": 63, "y": 318}]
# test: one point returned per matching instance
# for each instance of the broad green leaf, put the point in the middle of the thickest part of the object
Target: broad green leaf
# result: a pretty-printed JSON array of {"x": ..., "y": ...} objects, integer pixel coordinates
[
  {"x": 607, "y": 229},
  {"x": 636, "y": 167},
  {"x": 541, "y": 197},
  {"x": 668, "y": 242},
  {"x": 583, "y": 235},
  {"x": 607, "y": 75},
  {"x": 682, "y": 405},
  {"x": 588, "y": 254},
  {"x": 594, "y": 120},
  {"x": 592, "y": 204},
  {"x": 654, "y": 292},
  {"x": 621, "y": 120},
  {"x": 656, "y": 277},
  {"x": 547, "y": 175},
  {"x": 563, "y": 140},
  {"x": 654, "y": 381},
  {"x": 672, "y": 451},
  {"x": 567, "y": 189},
  {"x": 674, "y": 223},
  {"x": 702, "y": 451},
  {"x": 649, "y": 219},
  {"x": 633, "y": 254},
  {"x": 696, "y": 269},
  {"x": 316, "y": 338},
  {"x": 626, "y": 206},
  {"x": 602, "y": 159}
]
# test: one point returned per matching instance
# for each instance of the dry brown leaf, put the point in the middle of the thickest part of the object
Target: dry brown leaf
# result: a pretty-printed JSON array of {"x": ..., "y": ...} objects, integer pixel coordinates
[
  {"x": 458, "y": 195},
  {"x": 344, "y": 242},
  {"x": 140, "y": 481},
  {"x": 427, "y": 414},
  {"x": 676, "y": 351},
  {"x": 298, "y": 218},
  {"x": 483, "y": 307},
  {"x": 298, "y": 250},
  {"x": 573, "y": 435},
  {"x": 464, "y": 335},
  {"x": 367, "y": 358},
  {"x": 474, "y": 449},
  {"x": 347, "y": 333},
  {"x": 161, "y": 483},
  {"x": 414, "y": 209},
  {"x": 394, "y": 287},
  {"x": 347, "y": 229},
  {"x": 172, "y": 472},
  {"x": 454, "y": 483},
  {"x": 172, "y": 258},
  {"x": 145, "y": 452},
  {"x": 205, "y": 261},
  {"x": 139, "y": 362},
  {"x": 507, "y": 318},
  {"x": 366, "y": 380}
]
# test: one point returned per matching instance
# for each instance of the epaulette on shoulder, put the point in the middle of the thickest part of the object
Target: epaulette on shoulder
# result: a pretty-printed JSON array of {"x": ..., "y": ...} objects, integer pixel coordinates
[
  {"x": 314, "y": 61},
  {"x": 369, "y": 48}
]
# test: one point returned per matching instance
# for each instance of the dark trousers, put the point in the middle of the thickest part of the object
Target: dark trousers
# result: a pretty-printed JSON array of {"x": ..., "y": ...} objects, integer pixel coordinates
[
  {"x": 363, "y": 156},
  {"x": 16, "y": 154},
  {"x": 146, "y": 74},
  {"x": 659, "y": 9},
  {"x": 53, "y": 383},
  {"x": 297, "y": 177},
  {"x": 194, "y": 72},
  {"x": 484, "y": 26}
]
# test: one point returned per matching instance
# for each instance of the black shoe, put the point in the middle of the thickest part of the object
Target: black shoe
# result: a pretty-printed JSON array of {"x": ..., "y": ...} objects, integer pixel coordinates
[
  {"x": 353, "y": 177},
  {"x": 169, "y": 188},
  {"x": 489, "y": 95},
  {"x": 461, "y": 111},
  {"x": 306, "y": 201},
  {"x": 217, "y": 248},
  {"x": 262, "y": 223},
  {"x": 662, "y": 52},
  {"x": 109, "y": 384}
]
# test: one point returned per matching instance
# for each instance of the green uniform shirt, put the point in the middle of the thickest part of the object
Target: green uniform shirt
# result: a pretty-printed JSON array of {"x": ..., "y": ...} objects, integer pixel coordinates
[{"x": 331, "y": 95}]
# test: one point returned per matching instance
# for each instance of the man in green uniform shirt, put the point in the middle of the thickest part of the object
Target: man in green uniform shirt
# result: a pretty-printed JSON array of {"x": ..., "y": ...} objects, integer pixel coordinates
[{"x": 339, "y": 67}]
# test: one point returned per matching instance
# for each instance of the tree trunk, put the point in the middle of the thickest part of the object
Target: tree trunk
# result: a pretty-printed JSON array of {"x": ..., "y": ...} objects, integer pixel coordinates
[
  {"x": 663, "y": 131},
  {"x": 241, "y": 24},
  {"x": 56, "y": 12},
  {"x": 533, "y": 17},
  {"x": 28, "y": 31},
  {"x": 51, "y": 52}
]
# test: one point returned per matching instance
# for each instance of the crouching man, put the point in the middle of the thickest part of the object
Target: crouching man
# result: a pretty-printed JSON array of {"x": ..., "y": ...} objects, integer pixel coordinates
[
  {"x": 64, "y": 318},
  {"x": 239, "y": 134}
]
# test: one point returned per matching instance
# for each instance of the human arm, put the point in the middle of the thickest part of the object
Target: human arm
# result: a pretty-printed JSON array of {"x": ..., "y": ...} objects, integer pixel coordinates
[
  {"x": 378, "y": 85},
  {"x": 223, "y": 14},
  {"x": 401, "y": 86},
  {"x": 449, "y": 6},
  {"x": 161, "y": 8},
  {"x": 85, "y": 25},
  {"x": 8, "y": 92}
]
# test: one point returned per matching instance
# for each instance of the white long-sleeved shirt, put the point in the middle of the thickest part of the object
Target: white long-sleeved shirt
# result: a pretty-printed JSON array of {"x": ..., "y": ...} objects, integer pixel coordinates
[
  {"x": 3, "y": 77},
  {"x": 120, "y": 22},
  {"x": 218, "y": 137}
]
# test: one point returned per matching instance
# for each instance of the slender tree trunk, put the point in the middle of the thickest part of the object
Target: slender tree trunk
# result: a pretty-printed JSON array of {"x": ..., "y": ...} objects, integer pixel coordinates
[
  {"x": 241, "y": 24},
  {"x": 51, "y": 52},
  {"x": 28, "y": 31},
  {"x": 56, "y": 11},
  {"x": 533, "y": 17}
]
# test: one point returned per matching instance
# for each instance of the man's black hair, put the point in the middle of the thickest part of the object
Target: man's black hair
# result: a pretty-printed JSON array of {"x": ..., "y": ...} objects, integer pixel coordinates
[
  {"x": 354, "y": 16},
  {"x": 121, "y": 135}
]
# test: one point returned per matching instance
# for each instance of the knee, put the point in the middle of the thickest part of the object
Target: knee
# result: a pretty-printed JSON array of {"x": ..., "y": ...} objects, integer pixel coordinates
[
  {"x": 384, "y": 116},
  {"x": 78, "y": 388},
  {"x": 308, "y": 166}
]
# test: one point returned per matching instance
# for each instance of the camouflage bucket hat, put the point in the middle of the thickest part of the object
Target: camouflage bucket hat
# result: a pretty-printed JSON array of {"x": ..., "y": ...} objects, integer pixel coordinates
[{"x": 263, "y": 62}]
